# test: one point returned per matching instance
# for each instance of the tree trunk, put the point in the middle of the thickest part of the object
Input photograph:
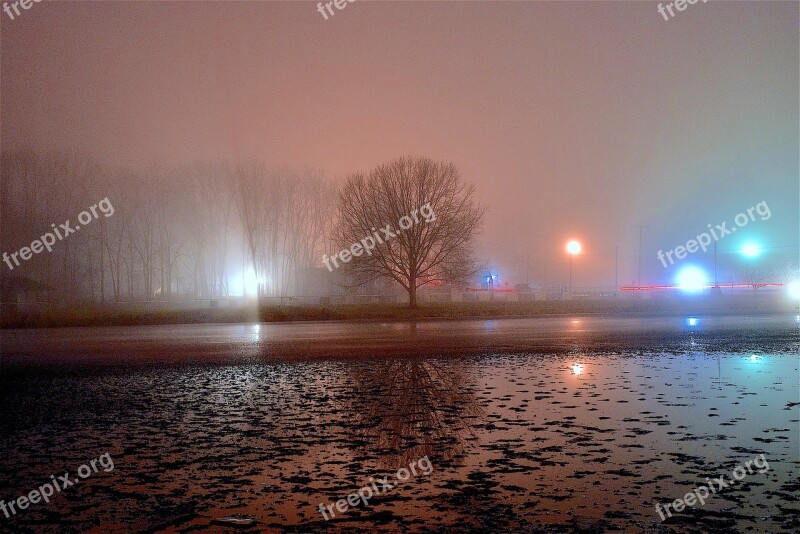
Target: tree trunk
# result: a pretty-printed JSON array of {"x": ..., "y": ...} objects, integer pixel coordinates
[{"x": 412, "y": 296}]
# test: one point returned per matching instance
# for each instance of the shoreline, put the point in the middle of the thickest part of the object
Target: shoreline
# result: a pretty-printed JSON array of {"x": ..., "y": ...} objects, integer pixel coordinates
[{"x": 133, "y": 316}]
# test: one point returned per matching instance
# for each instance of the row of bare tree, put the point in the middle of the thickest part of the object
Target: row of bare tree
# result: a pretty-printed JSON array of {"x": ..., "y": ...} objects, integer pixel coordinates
[
  {"x": 186, "y": 230},
  {"x": 199, "y": 230}
]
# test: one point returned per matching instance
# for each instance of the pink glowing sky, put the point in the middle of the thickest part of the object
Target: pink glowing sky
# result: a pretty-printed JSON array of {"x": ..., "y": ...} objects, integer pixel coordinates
[{"x": 575, "y": 119}]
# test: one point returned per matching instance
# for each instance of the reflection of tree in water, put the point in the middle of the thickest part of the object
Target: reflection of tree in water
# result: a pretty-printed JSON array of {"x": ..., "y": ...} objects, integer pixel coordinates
[{"x": 415, "y": 407}]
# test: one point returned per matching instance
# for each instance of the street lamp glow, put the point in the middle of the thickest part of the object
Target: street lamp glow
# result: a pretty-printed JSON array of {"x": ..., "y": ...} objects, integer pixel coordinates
[
  {"x": 573, "y": 247},
  {"x": 794, "y": 289},
  {"x": 691, "y": 279},
  {"x": 751, "y": 250},
  {"x": 245, "y": 283}
]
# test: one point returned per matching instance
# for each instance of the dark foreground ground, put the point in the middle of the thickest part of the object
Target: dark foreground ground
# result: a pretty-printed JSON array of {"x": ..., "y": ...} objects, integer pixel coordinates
[{"x": 573, "y": 424}]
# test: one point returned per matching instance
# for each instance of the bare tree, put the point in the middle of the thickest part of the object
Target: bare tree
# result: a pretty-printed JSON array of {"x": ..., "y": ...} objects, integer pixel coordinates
[
  {"x": 284, "y": 216},
  {"x": 257, "y": 194},
  {"x": 143, "y": 233},
  {"x": 116, "y": 237},
  {"x": 308, "y": 215},
  {"x": 433, "y": 249},
  {"x": 210, "y": 212},
  {"x": 174, "y": 228}
]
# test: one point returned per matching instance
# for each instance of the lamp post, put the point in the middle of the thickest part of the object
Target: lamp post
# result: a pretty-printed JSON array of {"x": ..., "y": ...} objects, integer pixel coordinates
[
  {"x": 641, "y": 228},
  {"x": 573, "y": 248},
  {"x": 751, "y": 251},
  {"x": 490, "y": 283}
]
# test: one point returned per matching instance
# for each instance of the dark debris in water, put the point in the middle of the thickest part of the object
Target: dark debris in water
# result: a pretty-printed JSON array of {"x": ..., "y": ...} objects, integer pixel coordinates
[{"x": 545, "y": 442}]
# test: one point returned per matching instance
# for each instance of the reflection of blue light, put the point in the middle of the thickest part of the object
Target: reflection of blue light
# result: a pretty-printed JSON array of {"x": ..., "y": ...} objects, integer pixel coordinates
[
  {"x": 692, "y": 321},
  {"x": 691, "y": 279},
  {"x": 753, "y": 358}
]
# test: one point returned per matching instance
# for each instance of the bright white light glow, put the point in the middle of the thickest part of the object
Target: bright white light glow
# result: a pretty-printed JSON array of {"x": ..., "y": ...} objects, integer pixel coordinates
[
  {"x": 692, "y": 321},
  {"x": 751, "y": 250},
  {"x": 794, "y": 290},
  {"x": 753, "y": 358},
  {"x": 244, "y": 285},
  {"x": 577, "y": 369},
  {"x": 691, "y": 279},
  {"x": 573, "y": 247}
]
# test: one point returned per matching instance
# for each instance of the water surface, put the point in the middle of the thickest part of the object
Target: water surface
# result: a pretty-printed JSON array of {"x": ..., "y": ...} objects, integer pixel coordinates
[{"x": 562, "y": 424}]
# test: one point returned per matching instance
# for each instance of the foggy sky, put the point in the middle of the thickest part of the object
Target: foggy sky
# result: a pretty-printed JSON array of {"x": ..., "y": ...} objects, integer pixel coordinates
[{"x": 575, "y": 119}]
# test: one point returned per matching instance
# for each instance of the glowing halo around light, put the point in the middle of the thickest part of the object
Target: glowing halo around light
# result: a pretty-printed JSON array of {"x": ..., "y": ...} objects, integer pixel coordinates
[
  {"x": 794, "y": 289},
  {"x": 573, "y": 247},
  {"x": 751, "y": 250},
  {"x": 691, "y": 279},
  {"x": 245, "y": 284}
]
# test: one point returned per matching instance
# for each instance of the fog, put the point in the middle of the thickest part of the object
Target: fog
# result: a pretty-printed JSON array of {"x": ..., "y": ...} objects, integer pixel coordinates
[{"x": 575, "y": 120}]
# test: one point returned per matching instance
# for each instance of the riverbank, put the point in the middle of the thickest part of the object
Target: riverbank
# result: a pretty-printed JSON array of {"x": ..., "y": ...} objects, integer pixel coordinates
[{"x": 94, "y": 316}]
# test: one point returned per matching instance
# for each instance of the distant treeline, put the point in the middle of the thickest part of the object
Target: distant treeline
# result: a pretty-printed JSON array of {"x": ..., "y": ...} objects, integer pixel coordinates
[{"x": 185, "y": 230}]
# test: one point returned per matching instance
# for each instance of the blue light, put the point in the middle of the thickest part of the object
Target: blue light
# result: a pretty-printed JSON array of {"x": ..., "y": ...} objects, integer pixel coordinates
[
  {"x": 691, "y": 279},
  {"x": 751, "y": 250},
  {"x": 692, "y": 321},
  {"x": 794, "y": 289}
]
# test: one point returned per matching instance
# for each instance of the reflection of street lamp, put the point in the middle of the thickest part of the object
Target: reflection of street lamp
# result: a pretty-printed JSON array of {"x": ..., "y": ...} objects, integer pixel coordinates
[{"x": 573, "y": 248}]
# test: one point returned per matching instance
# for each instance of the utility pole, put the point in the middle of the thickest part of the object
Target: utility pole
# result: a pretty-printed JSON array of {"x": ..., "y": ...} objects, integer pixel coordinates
[
  {"x": 715, "y": 290},
  {"x": 546, "y": 265},
  {"x": 528, "y": 268},
  {"x": 570, "y": 272},
  {"x": 639, "y": 281}
]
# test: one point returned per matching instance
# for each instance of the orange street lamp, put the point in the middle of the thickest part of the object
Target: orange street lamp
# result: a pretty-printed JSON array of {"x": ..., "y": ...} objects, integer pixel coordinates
[{"x": 573, "y": 248}]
